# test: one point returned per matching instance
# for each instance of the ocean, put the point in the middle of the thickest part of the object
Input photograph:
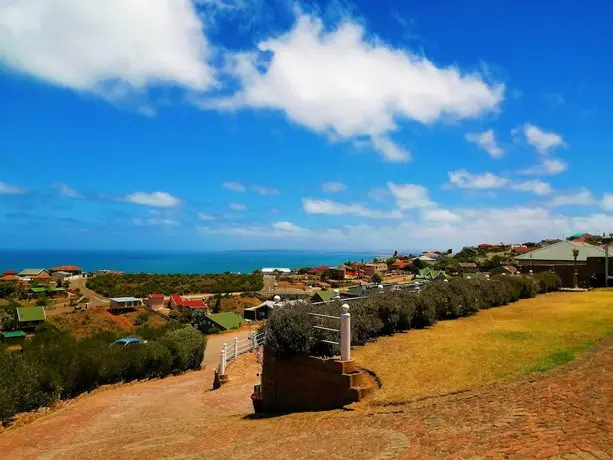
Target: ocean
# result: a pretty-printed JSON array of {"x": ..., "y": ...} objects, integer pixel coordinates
[{"x": 173, "y": 261}]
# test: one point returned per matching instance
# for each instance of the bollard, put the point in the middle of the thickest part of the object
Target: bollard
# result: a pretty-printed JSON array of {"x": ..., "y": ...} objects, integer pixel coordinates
[
  {"x": 235, "y": 347},
  {"x": 250, "y": 339},
  {"x": 345, "y": 333}
]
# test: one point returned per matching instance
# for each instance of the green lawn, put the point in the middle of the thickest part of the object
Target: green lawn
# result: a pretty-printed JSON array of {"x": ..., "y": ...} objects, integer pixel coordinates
[{"x": 532, "y": 335}]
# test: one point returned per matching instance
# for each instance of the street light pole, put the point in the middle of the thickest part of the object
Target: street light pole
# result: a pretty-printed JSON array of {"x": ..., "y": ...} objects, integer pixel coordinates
[{"x": 575, "y": 255}]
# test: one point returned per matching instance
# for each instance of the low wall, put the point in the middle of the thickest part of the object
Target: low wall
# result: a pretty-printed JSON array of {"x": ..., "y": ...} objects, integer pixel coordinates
[{"x": 308, "y": 383}]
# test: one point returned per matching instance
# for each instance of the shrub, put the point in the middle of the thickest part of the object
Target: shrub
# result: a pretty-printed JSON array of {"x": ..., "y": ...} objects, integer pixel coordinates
[
  {"x": 547, "y": 282},
  {"x": 289, "y": 330},
  {"x": 186, "y": 347}
]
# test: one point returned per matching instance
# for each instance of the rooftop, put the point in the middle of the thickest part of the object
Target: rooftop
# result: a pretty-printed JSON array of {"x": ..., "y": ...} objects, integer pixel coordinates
[
  {"x": 227, "y": 320},
  {"x": 125, "y": 299},
  {"x": 563, "y": 251},
  {"x": 31, "y": 271},
  {"x": 65, "y": 268},
  {"x": 12, "y": 334},
  {"x": 26, "y": 314}
]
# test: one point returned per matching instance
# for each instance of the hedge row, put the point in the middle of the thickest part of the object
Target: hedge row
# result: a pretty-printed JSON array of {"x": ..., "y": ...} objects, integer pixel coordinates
[
  {"x": 290, "y": 332},
  {"x": 55, "y": 366}
]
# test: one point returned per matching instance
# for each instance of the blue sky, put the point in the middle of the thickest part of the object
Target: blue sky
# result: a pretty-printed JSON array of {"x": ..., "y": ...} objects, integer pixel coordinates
[{"x": 218, "y": 124}]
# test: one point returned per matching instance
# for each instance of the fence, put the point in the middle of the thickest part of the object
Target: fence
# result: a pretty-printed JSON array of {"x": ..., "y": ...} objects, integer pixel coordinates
[
  {"x": 237, "y": 348},
  {"x": 344, "y": 332}
]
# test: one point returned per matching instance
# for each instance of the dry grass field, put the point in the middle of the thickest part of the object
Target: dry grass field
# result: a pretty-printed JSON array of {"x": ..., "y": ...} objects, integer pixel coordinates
[{"x": 531, "y": 335}]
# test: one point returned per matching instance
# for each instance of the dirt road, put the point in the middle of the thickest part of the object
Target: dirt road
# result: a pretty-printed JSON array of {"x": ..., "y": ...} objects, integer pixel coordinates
[{"x": 95, "y": 299}]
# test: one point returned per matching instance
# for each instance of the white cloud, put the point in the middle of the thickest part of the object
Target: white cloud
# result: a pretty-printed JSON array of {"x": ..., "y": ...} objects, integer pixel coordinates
[
  {"x": 346, "y": 85},
  {"x": 65, "y": 190},
  {"x": 549, "y": 166},
  {"x": 333, "y": 187},
  {"x": 265, "y": 191},
  {"x": 155, "y": 222},
  {"x": 607, "y": 202},
  {"x": 237, "y": 207},
  {"x": 537, "y": 187},
  {"x": 484, "y": 181},
  {"x": 487, "y": 141},
  {"x": 8, "y": 189},
  {"x": 205, "y": 216},
  {"x": 234, "y": 186},
  {"x": 440, "y": 215},
  {"x": 410, "y": 196},
  {"x": 544, "y": 142},
  {"x": 333, "y": 208},
  {"x": 463, "y": 179},
  {"x": 289, "y": 227},
  {"x": 471, "y": 226},
  {"x": 155, "y": 199},
  {"x": 582, "y": 197},
  {"x": 108, "y": 47}
]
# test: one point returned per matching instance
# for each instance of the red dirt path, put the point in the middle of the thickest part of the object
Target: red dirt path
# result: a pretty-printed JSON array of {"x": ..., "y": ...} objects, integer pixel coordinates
[{"x": 566, "y": 413}]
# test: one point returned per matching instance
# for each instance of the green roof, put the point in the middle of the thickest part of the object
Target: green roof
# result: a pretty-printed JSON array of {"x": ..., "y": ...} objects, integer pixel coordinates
[
  {"x": 25, "y": 314},
  {"x": 12, "y": 334},
  {"x": 432, "y": 274},
  {"x": 227, "y": 320},
  {"x": 37, "y": 289},
  {"x": 326, "y": 295}
]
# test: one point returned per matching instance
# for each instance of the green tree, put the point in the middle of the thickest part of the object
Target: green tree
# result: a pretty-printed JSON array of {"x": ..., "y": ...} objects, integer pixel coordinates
[
  {"x": 7, "y": 319},
  {"x": 376, "y": 278},
  {"x": 217, "y": 307}
]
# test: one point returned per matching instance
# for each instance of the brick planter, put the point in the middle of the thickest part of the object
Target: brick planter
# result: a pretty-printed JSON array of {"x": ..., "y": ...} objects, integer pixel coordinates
[{"x": 306, "y": 383}]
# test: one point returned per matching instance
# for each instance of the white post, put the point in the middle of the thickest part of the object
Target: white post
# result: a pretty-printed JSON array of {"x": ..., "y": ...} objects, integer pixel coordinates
[
  {"x": 345, "y": 333},
  {"x": 254, "y": 340},
  {"x": 222, "y": 361},
  {"x": 235, "y": 347},
  {"x": 250, "y": 339}
]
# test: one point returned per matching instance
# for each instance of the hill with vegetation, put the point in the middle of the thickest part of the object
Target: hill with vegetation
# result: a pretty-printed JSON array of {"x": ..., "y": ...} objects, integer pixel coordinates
[{"x": 142, "y": 284}]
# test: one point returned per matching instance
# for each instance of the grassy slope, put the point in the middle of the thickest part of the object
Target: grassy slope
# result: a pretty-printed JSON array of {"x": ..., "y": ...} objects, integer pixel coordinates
[{"x": 528, "y": 336}]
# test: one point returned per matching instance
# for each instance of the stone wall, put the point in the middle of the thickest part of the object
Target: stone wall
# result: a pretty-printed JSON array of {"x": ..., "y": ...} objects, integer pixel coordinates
[{"x": 308, "y": 383}]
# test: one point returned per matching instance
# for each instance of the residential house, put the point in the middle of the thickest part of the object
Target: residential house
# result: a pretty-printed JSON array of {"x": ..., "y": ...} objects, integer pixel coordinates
[
  {"x": 338, "y": 273},
  {"x": 486, "y": 247},
  {"x": 559, "y": 258},
  {"x": 401, "y": 265},
  {"x": 375, "y": 267},
  {"x": 432, "y": 275},
  {"x": 179, "y": 303},
  {"x": 124, "y": 303},
  {"x": 155, "y": 301},
  {"x": 520, "y": 249},
  {"x": 426, "y": 259},
  {"x": 503, "y": 270},
  {"x": 27, "y": 274},
  {"x": 259, "y": 312},
  {"x": 468, "y": 267},
  {"x": 224, "y": 321},
  {"x": 48, "y": 291},
  {"x": 43, "y": 279},
  {"x": 434, "y": 255},
  {"x": 30, "y": 317},
  {"x": 275, "y": 270},
  {"x": 61, "y": 276},
  {"x": 12, "y": 338},
  {"x": 319, "y": 270},
  {"x": 72, "y": 269},
  {"x": 9, "y": 275}
]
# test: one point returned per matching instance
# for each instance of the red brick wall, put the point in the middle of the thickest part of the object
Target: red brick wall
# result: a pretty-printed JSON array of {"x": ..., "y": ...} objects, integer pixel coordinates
[{"x": 308, "y": 383}]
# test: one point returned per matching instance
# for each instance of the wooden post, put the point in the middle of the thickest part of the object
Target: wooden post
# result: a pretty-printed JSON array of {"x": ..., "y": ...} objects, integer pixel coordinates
[
  {"x": 345, "y": 333},
  {"x": 235, "y": 347}
]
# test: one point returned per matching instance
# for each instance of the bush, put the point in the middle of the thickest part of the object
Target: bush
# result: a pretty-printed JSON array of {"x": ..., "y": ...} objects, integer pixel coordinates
[
  {"x": 547, "y": 282},
  {"x": 289, "y": 330},
  {"x": 41, "y": 302},
  {"x": 53, "y": 365}
]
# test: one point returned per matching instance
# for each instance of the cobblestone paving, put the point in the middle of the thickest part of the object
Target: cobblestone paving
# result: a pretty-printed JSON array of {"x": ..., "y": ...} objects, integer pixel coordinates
[{"x": 565, "y": 414}]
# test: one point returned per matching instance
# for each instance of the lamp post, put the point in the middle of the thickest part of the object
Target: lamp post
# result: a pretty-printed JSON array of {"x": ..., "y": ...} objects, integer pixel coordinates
[{"x": 575, "y": 276}]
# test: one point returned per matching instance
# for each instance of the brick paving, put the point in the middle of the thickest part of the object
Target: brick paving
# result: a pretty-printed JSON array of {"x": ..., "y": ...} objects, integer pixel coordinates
[{"x": 565, "y": 414}]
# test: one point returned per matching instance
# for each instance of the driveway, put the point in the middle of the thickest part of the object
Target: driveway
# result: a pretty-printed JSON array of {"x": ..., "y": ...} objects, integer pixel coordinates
[{"x": 565, "y": 414}]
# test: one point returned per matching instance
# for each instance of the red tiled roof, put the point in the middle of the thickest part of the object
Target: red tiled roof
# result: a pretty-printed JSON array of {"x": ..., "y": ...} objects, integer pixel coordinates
[
  {"x": 320, "y": 268},
  {"x": 156, "y": 296},
  {"x": 10, "y": 272},
  {"x": 522, "y": 250},
  {"x": 511, "y": 269},
  {"x": 9, "y": 278},
  {"x": 194, "y": 304},
  {"x": 42, "y": 276},
  {"x": 65, "y": 268},
  {"x": 177, "y": 299}
]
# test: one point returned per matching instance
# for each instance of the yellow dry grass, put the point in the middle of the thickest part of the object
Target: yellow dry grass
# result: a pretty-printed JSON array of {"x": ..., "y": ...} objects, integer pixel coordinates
[{"x": 531, "y": 335}]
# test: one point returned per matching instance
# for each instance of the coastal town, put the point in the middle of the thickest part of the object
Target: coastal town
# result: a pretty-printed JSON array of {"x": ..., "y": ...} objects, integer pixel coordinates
[{"x": 34, "y": 294}]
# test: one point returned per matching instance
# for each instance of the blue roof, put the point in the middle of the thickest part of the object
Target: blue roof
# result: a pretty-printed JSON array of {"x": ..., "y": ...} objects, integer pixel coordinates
[{"x": 125, "y": 299}]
